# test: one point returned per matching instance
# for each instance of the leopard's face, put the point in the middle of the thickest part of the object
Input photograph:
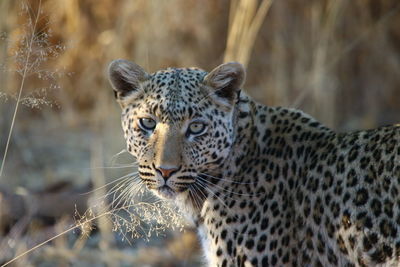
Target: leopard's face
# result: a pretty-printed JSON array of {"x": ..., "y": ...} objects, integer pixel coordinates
[
  {"x": 176, "y": 140},
  {"x": 179, "y": 128}
]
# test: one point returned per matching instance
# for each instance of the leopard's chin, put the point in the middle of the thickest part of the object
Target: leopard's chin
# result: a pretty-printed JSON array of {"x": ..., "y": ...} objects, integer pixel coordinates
[{"x": 166, "y": 192}]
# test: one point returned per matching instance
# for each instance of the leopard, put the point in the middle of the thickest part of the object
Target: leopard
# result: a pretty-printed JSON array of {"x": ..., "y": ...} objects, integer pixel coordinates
[{"x": 262, "y": 185}]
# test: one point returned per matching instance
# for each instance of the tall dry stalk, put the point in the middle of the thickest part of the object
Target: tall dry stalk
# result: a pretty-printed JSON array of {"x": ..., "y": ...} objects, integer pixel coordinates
[
  {"x": 26, "y": 67},
  {"x": 4, "y": 8},
  {"x": 322, "y": 82},
  {"x": 245, "y": 20},
  {"x": 99, "y": 181}
]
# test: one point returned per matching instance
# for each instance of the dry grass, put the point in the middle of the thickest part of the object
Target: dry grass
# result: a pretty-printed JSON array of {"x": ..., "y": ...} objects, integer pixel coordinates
[
  {"x": 23, "y": 58},
  {"x": 338, "y": 60},
  {"x": 245, "y": 21},
  {"x": 318, "y": 56}
]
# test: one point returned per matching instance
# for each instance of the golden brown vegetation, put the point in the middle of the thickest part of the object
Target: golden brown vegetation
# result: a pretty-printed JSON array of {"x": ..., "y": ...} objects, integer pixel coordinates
[{"x": 337, "y": 60}]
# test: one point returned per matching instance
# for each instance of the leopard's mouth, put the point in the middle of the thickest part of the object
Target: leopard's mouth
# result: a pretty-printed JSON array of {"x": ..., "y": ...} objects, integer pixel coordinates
[{"x": 166, "y": 192}]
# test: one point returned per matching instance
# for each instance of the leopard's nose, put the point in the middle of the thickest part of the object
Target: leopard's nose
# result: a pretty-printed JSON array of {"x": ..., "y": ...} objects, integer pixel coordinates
[{"x": 166, "y": 171}]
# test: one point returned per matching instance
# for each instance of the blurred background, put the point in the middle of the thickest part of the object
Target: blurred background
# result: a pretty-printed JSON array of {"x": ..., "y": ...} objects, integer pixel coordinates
[{"x": 335, "y": 59}]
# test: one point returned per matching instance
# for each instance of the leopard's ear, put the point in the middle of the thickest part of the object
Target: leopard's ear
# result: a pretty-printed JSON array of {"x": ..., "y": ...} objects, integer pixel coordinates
[
  {"x": 126, "y": 78},
  {"x": 225, "y": 82}
]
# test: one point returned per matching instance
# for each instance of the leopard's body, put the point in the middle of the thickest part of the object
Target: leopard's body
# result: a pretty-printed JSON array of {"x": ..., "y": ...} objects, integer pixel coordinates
[{"x": 266, "y": 186}]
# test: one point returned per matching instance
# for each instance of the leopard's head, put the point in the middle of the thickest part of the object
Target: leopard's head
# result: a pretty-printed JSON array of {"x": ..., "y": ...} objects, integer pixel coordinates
[{"x": 177, "y": 122}]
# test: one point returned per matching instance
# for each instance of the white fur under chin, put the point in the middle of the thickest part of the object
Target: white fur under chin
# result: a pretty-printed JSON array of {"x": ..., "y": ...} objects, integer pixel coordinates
[
  {"x": 185, "y": 206},
  {"x": 181, "y": 200}
]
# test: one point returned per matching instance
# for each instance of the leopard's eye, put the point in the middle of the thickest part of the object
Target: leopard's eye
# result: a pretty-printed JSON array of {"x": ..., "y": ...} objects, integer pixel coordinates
[
  {"x": 147, "y": 124},
  {"x": 196, "y": 128}
]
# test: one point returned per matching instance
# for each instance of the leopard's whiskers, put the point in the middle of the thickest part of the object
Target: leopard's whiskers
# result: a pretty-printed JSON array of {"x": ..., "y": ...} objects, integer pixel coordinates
[
  {"x": 226, "y": 180},
  {"x": 130, "y": 190},
  {"x": 224, "y": 189},
  {"x": 212, "y": 193},
  {"x": 109, "y": 183},
  {"x": 195, "y": 196}
]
